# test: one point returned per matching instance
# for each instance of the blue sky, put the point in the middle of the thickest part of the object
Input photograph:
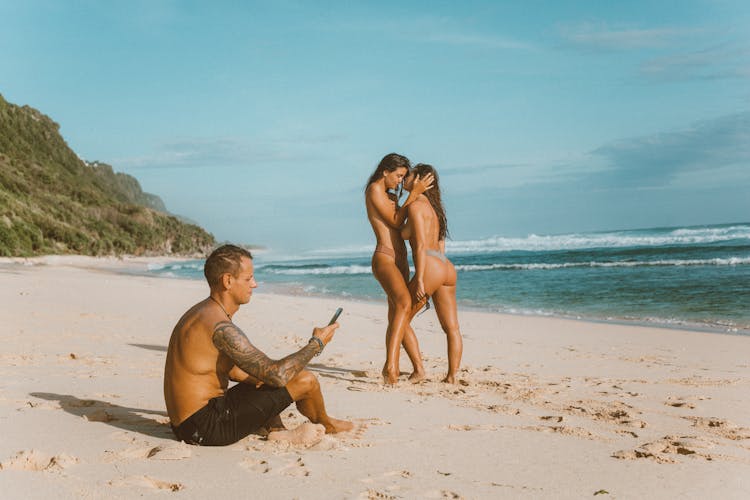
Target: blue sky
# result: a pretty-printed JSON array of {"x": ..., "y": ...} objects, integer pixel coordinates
[{"x": 261, "y": 121}]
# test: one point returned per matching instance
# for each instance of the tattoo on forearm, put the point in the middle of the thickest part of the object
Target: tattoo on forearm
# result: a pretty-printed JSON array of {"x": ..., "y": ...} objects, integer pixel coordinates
[{"x": 277, "y": 373}]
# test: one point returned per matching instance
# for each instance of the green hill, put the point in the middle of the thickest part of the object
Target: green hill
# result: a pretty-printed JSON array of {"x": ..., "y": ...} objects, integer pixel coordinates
[{"x": 52, "y": 202}]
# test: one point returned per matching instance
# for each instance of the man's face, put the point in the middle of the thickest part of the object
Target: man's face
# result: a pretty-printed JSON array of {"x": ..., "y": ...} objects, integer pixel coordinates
[{"x": 244, "y": 282}]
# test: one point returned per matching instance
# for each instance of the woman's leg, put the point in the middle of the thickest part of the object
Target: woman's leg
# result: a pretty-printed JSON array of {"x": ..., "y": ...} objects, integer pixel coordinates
[
  {"x": 444, "y": 299},
  {"x": 410, "y": 342},
  {"x": 411, "y": 346},
  {"x": 399, "y": 304},
  {"x": 440, "y": 284}
]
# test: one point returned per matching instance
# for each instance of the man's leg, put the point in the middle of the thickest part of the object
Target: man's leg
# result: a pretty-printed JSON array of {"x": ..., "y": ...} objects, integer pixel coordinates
[
  {"x": 304, "y": 389},
  {"x": 273, "y": 424},
  {"x": 247, "y": 409}
]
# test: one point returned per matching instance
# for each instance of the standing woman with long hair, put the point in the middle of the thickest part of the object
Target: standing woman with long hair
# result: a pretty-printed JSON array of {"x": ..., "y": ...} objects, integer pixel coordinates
[
  {"x": 435, "y": 276},
  {"x": 389, "y": 261}
]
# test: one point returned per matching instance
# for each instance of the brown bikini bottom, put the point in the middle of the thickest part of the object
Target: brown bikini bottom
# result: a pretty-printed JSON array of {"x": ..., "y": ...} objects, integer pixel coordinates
[{"x": 385, "y": 250}]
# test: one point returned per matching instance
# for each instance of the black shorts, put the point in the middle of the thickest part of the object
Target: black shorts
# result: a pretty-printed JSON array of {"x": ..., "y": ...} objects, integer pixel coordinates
[{"x": 227, "y": 419}]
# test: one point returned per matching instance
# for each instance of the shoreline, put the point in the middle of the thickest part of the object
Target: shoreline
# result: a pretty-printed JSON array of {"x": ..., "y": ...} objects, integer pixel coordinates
[{"x": 140, "y": 266}]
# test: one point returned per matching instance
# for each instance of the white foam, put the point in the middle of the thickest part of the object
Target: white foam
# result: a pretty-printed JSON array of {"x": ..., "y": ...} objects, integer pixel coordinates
[
  {"x": 733, "y": 261},
  {"x": 352, "y": 269},
  {"x": 613, "y": 239},
  {"x": 569, "y": 241}
]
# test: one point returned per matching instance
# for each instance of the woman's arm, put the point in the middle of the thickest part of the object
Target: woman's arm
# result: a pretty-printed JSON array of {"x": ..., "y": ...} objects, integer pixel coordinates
[
  {"x": 388, "y": 210},
  {"x": 418, "y": 238}
]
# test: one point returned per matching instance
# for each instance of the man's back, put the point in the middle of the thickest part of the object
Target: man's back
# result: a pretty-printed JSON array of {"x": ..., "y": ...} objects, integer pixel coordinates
[{"x": 195, "y": 371}]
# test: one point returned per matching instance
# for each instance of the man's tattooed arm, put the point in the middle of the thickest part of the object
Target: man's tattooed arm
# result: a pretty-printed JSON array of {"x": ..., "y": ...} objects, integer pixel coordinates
[{"x": 277, "y": 373}]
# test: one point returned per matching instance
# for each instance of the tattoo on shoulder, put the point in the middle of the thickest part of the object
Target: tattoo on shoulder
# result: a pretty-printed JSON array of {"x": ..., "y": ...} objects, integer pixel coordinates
[
  {"x": 230, "y": 340},
  {"x": 227, "y": 336}
]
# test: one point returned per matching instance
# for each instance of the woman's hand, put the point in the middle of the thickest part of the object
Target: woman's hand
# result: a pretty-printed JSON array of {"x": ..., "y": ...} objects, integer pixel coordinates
[
  {"x": 419, "y": 294},
  {"x": 422, "y": 185}
]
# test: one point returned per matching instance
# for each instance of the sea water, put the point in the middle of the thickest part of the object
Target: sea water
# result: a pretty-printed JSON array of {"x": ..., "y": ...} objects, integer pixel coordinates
[{"x": 691, "y": 277}]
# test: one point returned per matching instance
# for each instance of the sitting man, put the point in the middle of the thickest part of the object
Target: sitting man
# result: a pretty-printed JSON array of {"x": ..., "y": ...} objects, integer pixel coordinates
[{"x": 206, "y": 350}]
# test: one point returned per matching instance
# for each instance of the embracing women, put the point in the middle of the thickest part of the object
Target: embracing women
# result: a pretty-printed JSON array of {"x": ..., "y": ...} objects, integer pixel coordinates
[{"x": 421, "y": 219}]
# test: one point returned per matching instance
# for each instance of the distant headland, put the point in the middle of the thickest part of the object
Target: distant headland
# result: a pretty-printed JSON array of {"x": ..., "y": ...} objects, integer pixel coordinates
[{"x": 53, "y": 202}]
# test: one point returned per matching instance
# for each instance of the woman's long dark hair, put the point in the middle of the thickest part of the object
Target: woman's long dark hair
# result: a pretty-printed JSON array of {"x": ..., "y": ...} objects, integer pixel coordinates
[
  {"x": 433, "y": 195},
  {"x": 389, "y": 163}
]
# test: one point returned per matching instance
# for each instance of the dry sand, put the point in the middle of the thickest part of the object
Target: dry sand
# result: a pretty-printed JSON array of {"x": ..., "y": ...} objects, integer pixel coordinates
[{"x": 545, "y": 408}]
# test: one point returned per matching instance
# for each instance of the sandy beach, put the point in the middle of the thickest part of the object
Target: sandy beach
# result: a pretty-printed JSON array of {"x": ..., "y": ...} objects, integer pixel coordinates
[{"x": 545, "y": 407}]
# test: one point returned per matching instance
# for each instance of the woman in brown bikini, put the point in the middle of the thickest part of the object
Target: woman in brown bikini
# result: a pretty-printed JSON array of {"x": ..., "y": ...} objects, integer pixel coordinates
[
  {"x": 389, "y": 263},
  {"x": 435, "y": 276}
]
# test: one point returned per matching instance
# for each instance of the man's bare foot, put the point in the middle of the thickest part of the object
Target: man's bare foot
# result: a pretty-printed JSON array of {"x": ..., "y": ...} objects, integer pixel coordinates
[
  {"x": 306, "y": 434},
  {"x": 335, "y": 425},
  {"x": 450, "y": 379},
  {"x": 416, "y": 377}
]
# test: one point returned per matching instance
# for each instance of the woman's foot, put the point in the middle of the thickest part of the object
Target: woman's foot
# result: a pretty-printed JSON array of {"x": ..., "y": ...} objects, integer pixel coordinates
[
  {"x": 417, "y": 376},
  {"x": 390, "y": 377},
  {"x": 450, "y": 379}
]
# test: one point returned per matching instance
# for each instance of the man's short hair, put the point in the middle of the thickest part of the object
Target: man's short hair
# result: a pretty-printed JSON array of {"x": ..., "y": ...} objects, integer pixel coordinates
[{"x": 225, "y": 259}]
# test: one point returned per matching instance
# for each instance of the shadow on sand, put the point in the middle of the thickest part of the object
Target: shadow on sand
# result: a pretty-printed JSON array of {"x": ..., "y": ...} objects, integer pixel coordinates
[
  {"x": 345, "y": 374},
  {"x": 151, "y": 347},
  {"x": 122, "y": 417}
]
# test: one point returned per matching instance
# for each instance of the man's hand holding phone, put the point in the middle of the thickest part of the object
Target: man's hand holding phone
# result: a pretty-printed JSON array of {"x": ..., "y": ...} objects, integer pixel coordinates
[{"x": 325, "y": 334}]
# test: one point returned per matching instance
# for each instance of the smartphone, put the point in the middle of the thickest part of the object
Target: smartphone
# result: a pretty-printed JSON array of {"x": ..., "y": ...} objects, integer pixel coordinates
[{"x": 336, "y": 315}]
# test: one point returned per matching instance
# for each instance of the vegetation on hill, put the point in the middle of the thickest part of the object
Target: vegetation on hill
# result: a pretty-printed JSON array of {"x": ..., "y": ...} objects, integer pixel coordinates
[{"x": 52, "y": 202}]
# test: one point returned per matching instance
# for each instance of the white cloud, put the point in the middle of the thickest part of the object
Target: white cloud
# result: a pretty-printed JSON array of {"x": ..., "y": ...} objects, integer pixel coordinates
[
  {"x": 656, "y": 160},
  {"x": 232, "y": 151},
  {"x": 718, "y": 62},
  {"x": 600, "y": 36},
  {"x": 474, "y": 39}
]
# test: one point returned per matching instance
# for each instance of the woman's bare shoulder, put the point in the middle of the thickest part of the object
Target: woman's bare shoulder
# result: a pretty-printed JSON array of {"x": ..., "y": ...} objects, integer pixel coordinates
[
  {"x": 374, "y": 188},
  {"x": 420, "y": 205}
]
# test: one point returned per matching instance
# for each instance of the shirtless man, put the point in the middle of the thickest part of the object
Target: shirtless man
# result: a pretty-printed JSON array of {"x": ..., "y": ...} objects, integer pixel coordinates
[{"x": 207, "y": 350}]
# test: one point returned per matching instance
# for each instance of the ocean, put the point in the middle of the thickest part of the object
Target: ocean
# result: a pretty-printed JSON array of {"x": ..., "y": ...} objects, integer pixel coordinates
[{"x": 694, "y": 277}]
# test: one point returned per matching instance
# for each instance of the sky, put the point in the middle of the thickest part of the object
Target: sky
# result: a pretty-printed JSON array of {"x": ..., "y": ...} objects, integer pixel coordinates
[{"x": 262, "y": 120}]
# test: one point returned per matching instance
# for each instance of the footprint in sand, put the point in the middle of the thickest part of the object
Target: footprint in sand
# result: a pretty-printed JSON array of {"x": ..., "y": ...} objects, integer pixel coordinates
[
  {"x": 564, "y": 430},
  {"x": 45, "y": 405},
  {"x": 663, "y": 450},
  {"x": 372, "y": 494},
  {"x": 442, "y": 494},
  {"x": 302, "y": 436},
  {"x": 144, "y": 450},
  {"x": 100, "y": 415},
  {"x": 276, "y": 465},
  {"x": 38, "y": 461},
  {"x": 612, "y": 412},
  {"x": 698, "y": 381},
  {"x": 349, "y": 439},
  {"x": 468, "y": 427},
  {"x": 683, "y": 402},
  {"x": 720, "y": 427},
  {"x": 17, "y": 359},
  {"x": 401, "y": 473},
  {"x": 254, "y": 465},
  {"x": 147, "y": 482},
  {"x": 552, "y": 418},
  {"x": 295, "y": 469},
  {"x": 170, "y": 451}
]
